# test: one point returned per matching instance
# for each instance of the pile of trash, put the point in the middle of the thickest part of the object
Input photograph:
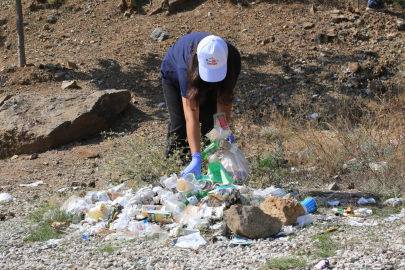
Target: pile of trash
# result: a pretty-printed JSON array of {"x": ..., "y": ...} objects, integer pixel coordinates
[
  {"x": 218, "y": 202},
  {"x": 186, "y": 206}
]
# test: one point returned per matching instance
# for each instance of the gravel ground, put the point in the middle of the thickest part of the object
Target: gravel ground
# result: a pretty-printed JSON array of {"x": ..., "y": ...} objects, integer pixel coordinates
[{"x": 376, "y": 247}]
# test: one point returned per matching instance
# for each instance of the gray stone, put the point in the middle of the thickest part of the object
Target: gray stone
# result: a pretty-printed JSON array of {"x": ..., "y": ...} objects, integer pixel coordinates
[
  {"x": 69, "y": 84},
  {"x": 7, "y": 45},
  {"x": 2, "y": 21},
  {"x": 60, "y": 76},
  {"x": 51, "y": 19},
  {"x": 50, "y": 66},
  {"x": 65, "y": 118},
  {"x": 251, "y": 222},
  {"x": 159, "y": 35},
  {"x": 333, "y": 186},
  {"x": 308, "y": 25}
]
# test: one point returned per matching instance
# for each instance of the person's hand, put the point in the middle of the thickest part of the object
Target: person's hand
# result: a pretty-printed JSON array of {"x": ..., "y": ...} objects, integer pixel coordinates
[
  {"x": 194, "y": 166},
  {"x": 231, "y": 139}
]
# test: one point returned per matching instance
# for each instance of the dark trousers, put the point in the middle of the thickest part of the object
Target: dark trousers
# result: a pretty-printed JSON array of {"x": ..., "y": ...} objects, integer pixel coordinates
[{"x": 176, "y": 130}]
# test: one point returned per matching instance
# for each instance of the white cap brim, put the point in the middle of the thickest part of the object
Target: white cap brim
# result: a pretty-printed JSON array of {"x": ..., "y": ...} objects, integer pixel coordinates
[{"x": 212, "y": 75}]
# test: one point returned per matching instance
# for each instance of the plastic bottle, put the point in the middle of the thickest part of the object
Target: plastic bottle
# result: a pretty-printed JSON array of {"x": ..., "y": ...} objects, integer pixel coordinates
[
  {"x": 211, "y": 149},
  {"x": 176, "y": 207},
  {"x": 191, "y": 197}
]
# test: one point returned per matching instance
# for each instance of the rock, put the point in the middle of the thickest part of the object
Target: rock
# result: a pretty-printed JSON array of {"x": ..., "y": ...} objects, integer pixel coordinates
[
  {"x": 337, "y": 18},
  {"x": 64, "y": 118},
  {"x": 60, "y": 76},
  {"x": 87, "y": 153},
  {"x": 4, "y": 98},
  {"x": 401, "y": 26},
  {"x": 7, "y": 45},
  {"x": 2, "y": 21},
  {"x": 69, "y": 84},
  {"x": 24, "y": 81},
  {"x": 50, "y": 66},
  {"x": 71, "y": 65},
  {"x": 308, "y": 25},
  {"x": 336, "y": 11},
  {"x": 33, "y": 156},
  {"x": 286, "y": 211},
  {"x": 333, "y": 186},
  {"x": 51, "y": 19},
  {"x": 159, "y": 35},
  {"x": 251, "y": 222},
  {"x": 354, "y": 67}
]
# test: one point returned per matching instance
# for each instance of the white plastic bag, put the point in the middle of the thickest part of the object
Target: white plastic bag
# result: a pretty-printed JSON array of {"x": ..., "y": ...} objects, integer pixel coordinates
[
  {"x": 236, "y": 164},
  {"x": 305, "y": 220},
  {"x": 145, "y": 195},
  {"x": 5, "y": 197},
  {"x": 192, "y": 241},
  {"x": 121, "y": 223},
  {"x": 75, "y": 207}
]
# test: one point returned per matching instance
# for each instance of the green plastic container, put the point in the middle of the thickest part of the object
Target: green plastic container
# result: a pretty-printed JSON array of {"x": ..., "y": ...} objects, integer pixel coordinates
[{"x": 211, "y": 149}]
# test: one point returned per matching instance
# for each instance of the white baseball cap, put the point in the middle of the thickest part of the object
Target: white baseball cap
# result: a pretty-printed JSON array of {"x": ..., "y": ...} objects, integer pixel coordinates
[{"x": 212, "y": 54}]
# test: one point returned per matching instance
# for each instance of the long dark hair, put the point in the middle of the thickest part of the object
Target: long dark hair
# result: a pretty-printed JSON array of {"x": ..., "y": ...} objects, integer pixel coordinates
[{"x": 197, "y": 88}]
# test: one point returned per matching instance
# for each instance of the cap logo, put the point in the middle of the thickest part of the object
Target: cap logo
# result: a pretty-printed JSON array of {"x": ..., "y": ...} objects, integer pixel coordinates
[{"x": 211, "y": 61}]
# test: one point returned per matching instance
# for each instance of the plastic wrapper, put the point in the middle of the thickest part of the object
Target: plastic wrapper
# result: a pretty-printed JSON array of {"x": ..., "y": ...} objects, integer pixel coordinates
[{"x": 193, "y": 241}]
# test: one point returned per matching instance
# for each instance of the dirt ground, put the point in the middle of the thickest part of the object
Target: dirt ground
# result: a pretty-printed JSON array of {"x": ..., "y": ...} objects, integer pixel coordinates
[{"x": 287, "y": 51}]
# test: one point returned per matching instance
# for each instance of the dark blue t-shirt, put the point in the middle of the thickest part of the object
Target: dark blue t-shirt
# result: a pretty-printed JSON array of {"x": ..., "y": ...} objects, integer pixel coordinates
[{"x": 175, "y": 63}]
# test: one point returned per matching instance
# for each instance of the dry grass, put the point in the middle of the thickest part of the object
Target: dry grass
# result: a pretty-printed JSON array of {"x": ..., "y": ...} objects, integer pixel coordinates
[
  {"x": 367, "y": 129},
  {"x": 290, "y": 147}
]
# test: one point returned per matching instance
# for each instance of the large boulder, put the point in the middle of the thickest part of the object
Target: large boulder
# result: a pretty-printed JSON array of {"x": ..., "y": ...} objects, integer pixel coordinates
[
  {"x": 36, "y": 123},
  {"x": 251, "y": 222},
  {"x": 285, "y": 210}
]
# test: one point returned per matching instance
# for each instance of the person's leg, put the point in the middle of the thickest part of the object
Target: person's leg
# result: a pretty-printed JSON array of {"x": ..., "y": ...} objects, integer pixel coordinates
[
  {"x": 207, "y": 111},
  {"x": 176, "y": 130}
]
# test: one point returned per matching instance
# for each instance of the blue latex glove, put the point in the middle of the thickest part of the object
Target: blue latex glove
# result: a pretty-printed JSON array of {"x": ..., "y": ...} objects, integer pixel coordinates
[
  {"x": 231, "y": 139},
  {"x": 194, "y": 166}
]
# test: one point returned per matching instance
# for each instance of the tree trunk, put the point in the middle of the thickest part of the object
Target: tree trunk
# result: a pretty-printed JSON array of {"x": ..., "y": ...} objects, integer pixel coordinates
[{"x": 20, "y": 29}]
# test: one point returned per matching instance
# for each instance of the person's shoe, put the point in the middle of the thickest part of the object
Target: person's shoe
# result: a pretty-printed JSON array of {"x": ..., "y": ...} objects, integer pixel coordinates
[
  {"x": 383, "y": 9},
  {"x": 376, "y": 5}
]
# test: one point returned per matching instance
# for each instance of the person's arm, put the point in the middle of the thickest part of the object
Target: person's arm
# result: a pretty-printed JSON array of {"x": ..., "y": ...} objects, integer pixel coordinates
[
  {"x": 226, "y": 109},
  {"x": 191, "y": 113}
]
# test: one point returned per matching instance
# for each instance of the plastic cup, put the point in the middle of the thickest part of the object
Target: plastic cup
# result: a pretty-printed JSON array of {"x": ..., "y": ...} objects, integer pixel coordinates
[
  {"x": 184, "y": 186},
  {"x": 190, "y": 178},
  {"x": 309, "y": 204}
]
